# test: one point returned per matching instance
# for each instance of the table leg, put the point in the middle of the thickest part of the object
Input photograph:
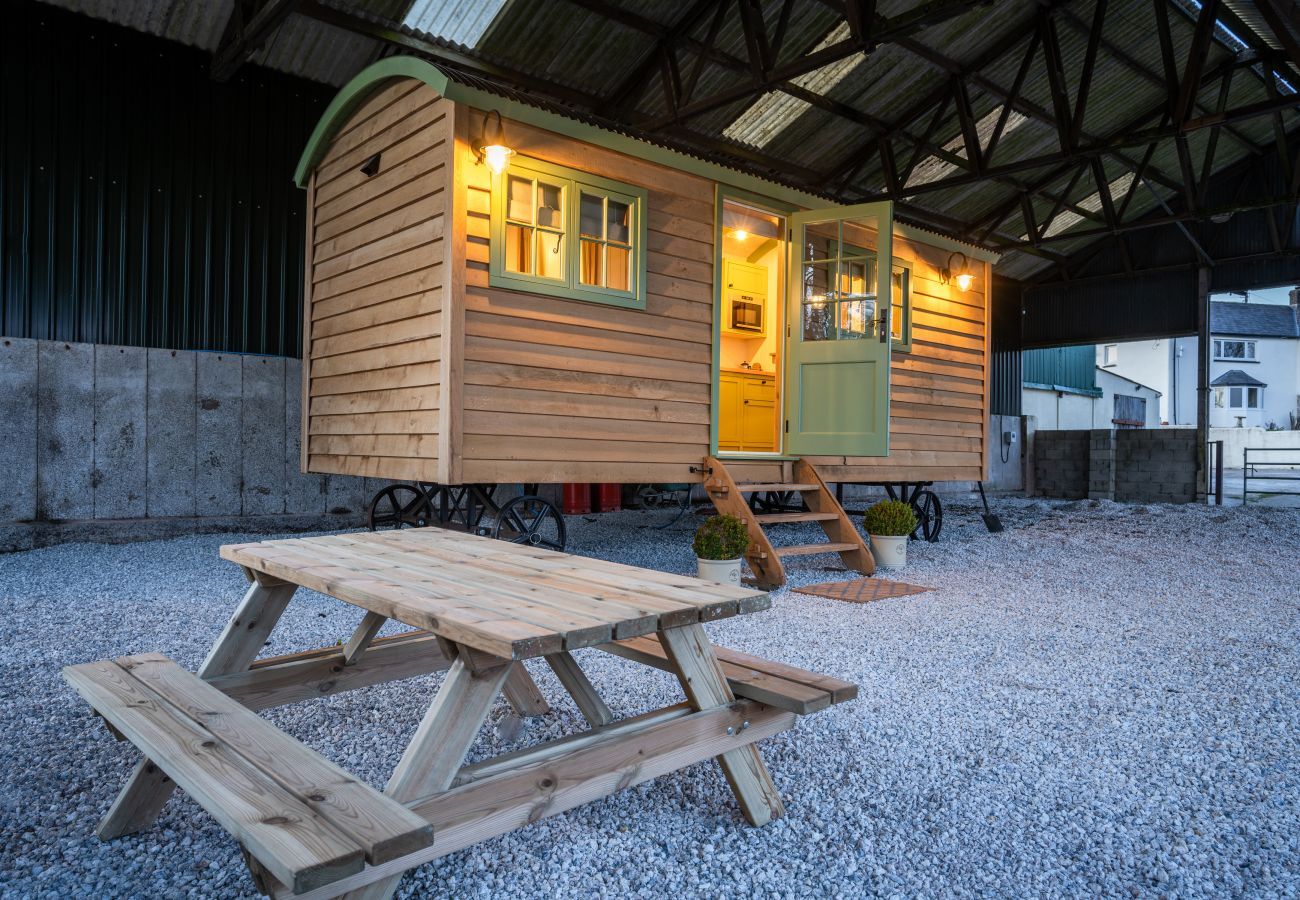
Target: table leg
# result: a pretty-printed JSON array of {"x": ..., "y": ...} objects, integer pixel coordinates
[
  {"x": 691, "y": 654},
  {"x": 438, "y": 749},
  {"x": 525, "y": 696},
  {"x": 582, "y": 691},
  {"x": 138, "y": 804}
]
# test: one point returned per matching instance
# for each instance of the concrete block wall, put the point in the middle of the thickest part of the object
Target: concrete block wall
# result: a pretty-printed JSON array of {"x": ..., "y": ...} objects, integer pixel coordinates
[
  {"x": 1101, "y": 464},
  {"x": 1061, "y": 463},
  {"x": 1130, "y": 465},
  {"x": 1155, "y": 465},
  {"x": 155, "y": 442}
]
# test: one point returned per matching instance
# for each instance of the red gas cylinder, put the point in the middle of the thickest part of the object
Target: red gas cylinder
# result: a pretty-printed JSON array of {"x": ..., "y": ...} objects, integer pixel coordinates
[
  {"x": 609, "y": 497},
  {"x": 577, "y": 498}
]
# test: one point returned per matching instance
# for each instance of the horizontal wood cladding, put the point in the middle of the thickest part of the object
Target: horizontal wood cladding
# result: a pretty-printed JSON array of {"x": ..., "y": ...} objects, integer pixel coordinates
[
  {"x": 375, "y": 319},
  {"x": 567, "y": 390}
]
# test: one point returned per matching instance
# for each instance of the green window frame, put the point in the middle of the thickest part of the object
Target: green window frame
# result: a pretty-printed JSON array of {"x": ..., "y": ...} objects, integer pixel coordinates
[
  {"x": 596, "y": 227},
  {"x": 900, "y": 318}
]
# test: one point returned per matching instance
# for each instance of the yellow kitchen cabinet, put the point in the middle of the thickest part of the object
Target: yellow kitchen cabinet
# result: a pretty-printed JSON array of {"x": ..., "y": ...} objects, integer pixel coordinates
[{"x": 746, "y": 412}]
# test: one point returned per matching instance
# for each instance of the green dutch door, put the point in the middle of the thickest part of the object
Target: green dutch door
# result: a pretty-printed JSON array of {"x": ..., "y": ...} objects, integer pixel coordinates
[{"x": 837, "y": 370}]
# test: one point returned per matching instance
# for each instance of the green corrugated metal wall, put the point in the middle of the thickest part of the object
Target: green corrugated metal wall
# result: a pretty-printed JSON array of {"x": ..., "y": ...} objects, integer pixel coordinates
[
  {"x": 1063, "y": 368},
  {"x": 141, "y": 203}
]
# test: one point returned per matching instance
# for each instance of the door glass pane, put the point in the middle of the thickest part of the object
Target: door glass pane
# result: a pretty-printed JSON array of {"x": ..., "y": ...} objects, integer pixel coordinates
[
  {"x": 821, "y": 240},
  {"x": 619, "y": 223},
  {"x": 519, "y": 249},
  {"x": 519, "y": 199},
  {"x": 817, "y": 308},
  {"x": 840, "y": 281},
  {"x": 550, "y": 254},
  {"x": 592, "y": 212},
  {"x": 550, "y": 205}
]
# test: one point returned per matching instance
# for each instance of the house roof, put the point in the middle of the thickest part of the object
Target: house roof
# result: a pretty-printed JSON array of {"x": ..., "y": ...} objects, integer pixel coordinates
[
  {"x": 1236, "y": 378},
  {"x": 1254, "y": 319}
]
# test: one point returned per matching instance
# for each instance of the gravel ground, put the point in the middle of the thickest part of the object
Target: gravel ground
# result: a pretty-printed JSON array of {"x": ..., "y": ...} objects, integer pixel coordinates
[{"x": 1102, "y": 700}]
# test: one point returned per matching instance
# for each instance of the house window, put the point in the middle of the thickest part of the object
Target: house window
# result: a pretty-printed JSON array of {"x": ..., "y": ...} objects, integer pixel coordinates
[
  {"x": 1238, "y": 397},
  {"x": 568, "y": 234},
  {"x": 1110, "y": 355},
  {"x": 900, "y": 318},
  {"x": 1234, "y": 350}
]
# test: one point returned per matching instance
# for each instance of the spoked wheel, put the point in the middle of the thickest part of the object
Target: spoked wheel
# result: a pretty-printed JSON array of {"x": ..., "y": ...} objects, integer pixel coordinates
[
  {"x": 929, "y": 515},
  {"x": 399, "y": 506},
  {"x": 530, "y": 520}
]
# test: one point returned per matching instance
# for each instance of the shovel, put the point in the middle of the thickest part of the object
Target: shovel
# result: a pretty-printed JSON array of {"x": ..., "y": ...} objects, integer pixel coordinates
[{"x": 991, "y": 522}]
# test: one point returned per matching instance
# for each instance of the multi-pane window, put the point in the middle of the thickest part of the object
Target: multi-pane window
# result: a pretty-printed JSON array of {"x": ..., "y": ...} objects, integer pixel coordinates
[
  {"x": 606, "y": 236},
  {"x": 534, "y": 234},
  {"x": 900, "y": 320},
  {"x": 1239, "y": 350},
  {"x": 1237, "y": 397},
  {"x": 839, "y": 292},
  {"x": 566, "y": 233}
]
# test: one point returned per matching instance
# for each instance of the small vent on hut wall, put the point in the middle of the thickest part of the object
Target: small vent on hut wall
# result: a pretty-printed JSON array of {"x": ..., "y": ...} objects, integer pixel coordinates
[{"x": 370, "y": 168}]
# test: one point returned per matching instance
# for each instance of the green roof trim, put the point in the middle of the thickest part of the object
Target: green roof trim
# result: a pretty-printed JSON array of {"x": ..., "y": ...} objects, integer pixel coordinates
[
  {"x": 370, "y": 79},
  {"x": 353, "y": 94}
]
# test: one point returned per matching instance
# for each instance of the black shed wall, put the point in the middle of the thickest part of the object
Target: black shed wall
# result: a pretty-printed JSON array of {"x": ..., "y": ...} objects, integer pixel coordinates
[{"x": 142, "y": 203}]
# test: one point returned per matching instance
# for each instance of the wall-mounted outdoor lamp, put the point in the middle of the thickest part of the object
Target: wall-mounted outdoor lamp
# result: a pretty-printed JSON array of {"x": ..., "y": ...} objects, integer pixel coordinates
[
  {"x": 960, "y": 275},
  {"x": 492, "y": 149}
]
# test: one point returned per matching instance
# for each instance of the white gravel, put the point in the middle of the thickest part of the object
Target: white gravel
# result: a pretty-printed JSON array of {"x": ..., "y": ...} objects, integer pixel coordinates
[{"x": 1103, "y": 700}]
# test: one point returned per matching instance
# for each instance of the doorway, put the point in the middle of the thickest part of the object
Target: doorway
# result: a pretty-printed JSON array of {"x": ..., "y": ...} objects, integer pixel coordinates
[{"x": 751, "y": 336}]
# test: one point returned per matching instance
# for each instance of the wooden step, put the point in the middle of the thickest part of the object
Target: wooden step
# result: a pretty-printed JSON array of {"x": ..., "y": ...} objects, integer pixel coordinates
[
  {"x": 776, "y": 487},
  {"x": 775, "y": 518},
  {"x": 305, "y": 820},
  {"x": 810, "y": 549}
]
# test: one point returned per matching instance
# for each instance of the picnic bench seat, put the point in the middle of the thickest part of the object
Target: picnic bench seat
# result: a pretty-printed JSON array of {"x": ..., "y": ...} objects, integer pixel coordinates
[
  {"x": 302, "y": 818},
  {"x": 754, "y": 678}
]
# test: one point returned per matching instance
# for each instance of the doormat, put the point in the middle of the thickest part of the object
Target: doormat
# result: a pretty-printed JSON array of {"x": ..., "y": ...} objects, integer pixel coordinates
[{"x": 862, "y": 590}]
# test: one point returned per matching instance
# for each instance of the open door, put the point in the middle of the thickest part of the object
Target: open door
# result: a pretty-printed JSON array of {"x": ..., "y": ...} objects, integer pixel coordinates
[{"x": 838, "y": 337}]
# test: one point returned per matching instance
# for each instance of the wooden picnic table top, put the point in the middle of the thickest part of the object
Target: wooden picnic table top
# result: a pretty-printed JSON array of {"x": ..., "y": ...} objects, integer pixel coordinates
[{"x": 513, "y": 601}]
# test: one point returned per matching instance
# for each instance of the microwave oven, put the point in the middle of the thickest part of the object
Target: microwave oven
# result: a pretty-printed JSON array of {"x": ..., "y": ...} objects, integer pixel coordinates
[{"x": 747, "y": 313}]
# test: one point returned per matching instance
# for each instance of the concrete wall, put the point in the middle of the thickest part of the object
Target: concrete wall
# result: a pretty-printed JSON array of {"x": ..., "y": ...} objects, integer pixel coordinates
[
  {"x": 1007, "y": 461},
  {"x": 1235, "y": 440},
  {"x": 105, "y": 442},
  {"x": 1061, "y": 463},
  {"x": 1130, "y": 465},
  {"x": 1155, "y": 466}
]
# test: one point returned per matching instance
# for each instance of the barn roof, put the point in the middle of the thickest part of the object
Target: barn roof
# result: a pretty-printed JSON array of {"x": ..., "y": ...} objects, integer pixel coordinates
[
  {"x": 1043, "y": 131},
  {"x": 1254, "y": 319}
]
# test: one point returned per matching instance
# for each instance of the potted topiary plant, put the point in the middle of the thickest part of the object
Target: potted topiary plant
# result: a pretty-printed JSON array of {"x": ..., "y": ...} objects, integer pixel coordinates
[
  {"x": 720, "y": 543},
  {"x": 889, "y": 523}
]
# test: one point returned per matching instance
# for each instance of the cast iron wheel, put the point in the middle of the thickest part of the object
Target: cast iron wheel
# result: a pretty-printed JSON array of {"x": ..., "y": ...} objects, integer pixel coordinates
[
  {"x": 530, "y": 520},
  {"x": 399, "y": 506},
  {"x": 929, "y": 515}
]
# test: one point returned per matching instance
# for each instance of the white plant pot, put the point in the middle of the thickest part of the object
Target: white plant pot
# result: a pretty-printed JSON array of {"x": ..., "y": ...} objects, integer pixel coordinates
[
  {"x": 889, "y": 550},
  {"x": 726, "y": 571}
]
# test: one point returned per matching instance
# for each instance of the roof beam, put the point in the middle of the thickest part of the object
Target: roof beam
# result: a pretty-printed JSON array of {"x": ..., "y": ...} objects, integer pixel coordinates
[
  {"x": 247, "y": 30},
  {"x": 886, "y": 31}
]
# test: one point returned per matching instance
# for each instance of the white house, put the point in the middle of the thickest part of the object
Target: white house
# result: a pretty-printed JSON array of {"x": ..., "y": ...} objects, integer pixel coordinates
[
  {"x": 1254, "y": 365},
  {"x": 1113, "y": 402}
]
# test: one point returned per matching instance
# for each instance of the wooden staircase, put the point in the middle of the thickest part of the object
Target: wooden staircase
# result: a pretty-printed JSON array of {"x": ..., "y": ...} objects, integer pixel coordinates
[{"x": 765, "y": 558}]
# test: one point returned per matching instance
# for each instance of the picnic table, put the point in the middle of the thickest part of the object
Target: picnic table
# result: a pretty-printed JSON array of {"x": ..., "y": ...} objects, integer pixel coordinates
[{"x": 479, "y": 608}]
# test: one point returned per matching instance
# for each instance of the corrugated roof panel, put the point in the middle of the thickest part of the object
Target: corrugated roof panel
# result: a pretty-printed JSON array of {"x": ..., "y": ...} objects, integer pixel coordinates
[{"x": 460, "y": 21}]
